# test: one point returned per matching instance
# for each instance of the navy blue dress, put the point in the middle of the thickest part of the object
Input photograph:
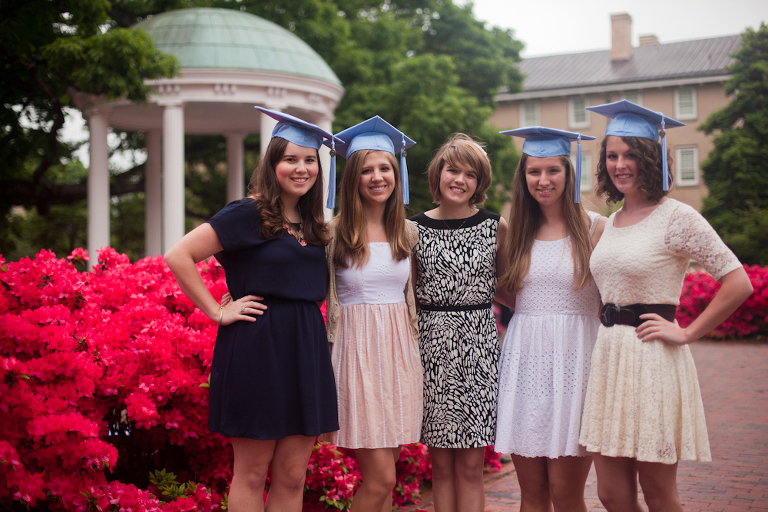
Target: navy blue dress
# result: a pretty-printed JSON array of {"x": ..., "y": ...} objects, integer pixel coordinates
[{"x": 271, "y": 378}]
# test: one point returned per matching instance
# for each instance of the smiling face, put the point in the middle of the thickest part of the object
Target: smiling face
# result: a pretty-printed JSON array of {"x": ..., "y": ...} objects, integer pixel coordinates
[
  {"x": 458, "y": 184},
  {"x": 377, "y": 178},
  {"x": 297, "y": 170},
  {"x": 545, "y": 178},
  {"x": 622, "y": 165}
]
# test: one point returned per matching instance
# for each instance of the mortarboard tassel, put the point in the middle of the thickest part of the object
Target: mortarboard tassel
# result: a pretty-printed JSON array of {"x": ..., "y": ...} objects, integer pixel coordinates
[
  {"x": 577, "y": 194},
  {"x": 404, "y": 173},
  {"x": 664, "y": 166},
  {"x": 332, "y": 178}
]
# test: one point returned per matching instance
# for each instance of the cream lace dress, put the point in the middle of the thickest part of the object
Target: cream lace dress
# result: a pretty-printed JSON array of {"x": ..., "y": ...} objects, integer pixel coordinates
[{"x": 643, "y": 399}]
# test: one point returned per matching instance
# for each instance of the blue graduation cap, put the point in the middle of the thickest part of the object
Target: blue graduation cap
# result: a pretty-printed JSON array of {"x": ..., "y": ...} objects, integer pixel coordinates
[
  {"x": 541, "y": 142},
  {"x": 302, "y": 134},
  {"x": 631, "y": 120},
  {"x": 378, "y": 135}
]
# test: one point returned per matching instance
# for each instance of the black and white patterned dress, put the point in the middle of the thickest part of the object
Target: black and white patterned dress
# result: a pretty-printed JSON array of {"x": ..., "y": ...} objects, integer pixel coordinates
[{"x": 458, "y": 340}]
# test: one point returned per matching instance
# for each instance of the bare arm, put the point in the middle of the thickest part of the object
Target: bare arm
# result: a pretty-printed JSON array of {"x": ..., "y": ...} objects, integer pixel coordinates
[
  {"x": 197, "y": 245},
  {"x": 735, "y": 289},
  {"x": 503, "y": 296},
  {"x": 598, "y": 230}
]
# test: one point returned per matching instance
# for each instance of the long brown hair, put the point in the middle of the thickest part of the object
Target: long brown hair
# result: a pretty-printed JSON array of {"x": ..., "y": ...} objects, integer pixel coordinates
[
  {"x": 649, "y": 169},
  {"x": 525, "y": 221},
  {"x": 351, "y": 233},
  {"x": 460, "y": 149},
  {"x": 265, "y": 190}
]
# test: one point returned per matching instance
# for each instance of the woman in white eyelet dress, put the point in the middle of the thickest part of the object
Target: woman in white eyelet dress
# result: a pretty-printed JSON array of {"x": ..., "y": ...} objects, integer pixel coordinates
[
  {"x": 371, "y": 322},
  {"x": 547, "y": 348}
]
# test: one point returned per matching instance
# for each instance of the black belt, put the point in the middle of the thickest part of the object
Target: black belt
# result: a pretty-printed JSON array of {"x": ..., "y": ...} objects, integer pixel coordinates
[
  {"x": 471, "y": 307},
  {"x": 612, "y": 314}
]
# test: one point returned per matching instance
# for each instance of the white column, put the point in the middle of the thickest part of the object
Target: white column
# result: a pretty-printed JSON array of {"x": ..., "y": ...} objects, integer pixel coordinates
[
  {"x": 98, "y": 185},
  {"x": 235, "y": 166},
  {"x": 325, "y": 161},
  {"x": 173, "y": 174},
  {"x": 266, "y": 125},
  {"x": 153, "y": 194}
]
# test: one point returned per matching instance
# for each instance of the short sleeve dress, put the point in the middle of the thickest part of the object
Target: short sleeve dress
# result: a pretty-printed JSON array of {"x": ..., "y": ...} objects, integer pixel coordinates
[
  {"x": 643, "y": 399},
  {"x": 271, "y": 378},
  {"x": 545, "y": 356},
  {"x": 459, "y": 343}
]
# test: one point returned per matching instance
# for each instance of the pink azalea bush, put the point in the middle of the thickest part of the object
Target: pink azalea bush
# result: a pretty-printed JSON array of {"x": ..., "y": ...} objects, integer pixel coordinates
[
  {"x": 751, "y": 318},
  {"x": 104, "y": 394}
]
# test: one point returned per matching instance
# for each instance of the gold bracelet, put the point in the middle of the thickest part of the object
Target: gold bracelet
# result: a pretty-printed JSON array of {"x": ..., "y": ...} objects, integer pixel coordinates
[{"x": 221, "y": 313}]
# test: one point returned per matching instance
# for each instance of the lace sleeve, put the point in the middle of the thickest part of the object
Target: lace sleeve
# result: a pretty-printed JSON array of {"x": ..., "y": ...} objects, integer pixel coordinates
[{"x": 689, "y": 234}]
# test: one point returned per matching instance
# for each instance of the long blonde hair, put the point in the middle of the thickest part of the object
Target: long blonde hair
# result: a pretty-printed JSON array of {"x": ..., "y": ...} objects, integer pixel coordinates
[
  {"x": 525, "y": 220},
  {"x": 265, "y": 190},
  {"x": 351, "y": 223}
]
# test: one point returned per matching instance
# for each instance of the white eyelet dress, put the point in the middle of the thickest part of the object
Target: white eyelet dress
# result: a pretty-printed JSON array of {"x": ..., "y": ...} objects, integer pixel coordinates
[{"x": 545, "y": 357}]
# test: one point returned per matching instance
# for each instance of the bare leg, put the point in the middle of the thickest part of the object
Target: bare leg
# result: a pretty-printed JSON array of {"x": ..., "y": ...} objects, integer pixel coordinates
[
  {"x": 659, "y": 484},
  {"x": 377, "y": 467},
  {"x": 534, "y": 483},
  {"x": 567, "y": 478},
  {"x": 470, "y": 492},
  {"x": 249, "y": 473},
  {"x": 443, "y": 478},
  {"x": 289, "y": 470},
  {"x": 617, "y": 483}
]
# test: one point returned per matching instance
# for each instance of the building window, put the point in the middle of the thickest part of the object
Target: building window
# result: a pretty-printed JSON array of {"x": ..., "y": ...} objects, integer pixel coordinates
[
  {"x": 685, "y": 104},
  {"x": 578, "y": 117},
  {"x": 635, "y": 97},
  {"x": 586, "y": 169},
  {"x": 529, "y": 114},
  {"x": 687, "y": 166}
]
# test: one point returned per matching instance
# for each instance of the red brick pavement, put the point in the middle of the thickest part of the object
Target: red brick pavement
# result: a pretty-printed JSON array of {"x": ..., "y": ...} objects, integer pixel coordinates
[{"x": 734, "y": 386}]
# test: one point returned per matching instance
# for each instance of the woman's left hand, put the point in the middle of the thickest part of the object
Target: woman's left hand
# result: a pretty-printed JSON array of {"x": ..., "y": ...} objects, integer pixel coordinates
[{"x": 656, "y": 327}]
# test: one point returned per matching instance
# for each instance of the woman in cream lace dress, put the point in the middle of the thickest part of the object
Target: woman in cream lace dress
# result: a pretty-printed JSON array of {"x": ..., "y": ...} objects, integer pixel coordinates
[{"x": 643, "y": 410}]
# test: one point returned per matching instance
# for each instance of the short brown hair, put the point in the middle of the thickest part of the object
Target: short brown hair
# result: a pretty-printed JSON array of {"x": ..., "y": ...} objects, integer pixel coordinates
[
  {"x": 461, "y": 149},
  {"x": 649, "y": 165}
]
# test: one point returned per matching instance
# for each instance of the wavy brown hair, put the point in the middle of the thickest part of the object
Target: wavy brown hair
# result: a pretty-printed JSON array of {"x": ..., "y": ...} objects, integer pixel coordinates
[
  {"x": 350, "y": 231},
  {"x": 265, "y": 190},
  {"x": 461, "y": 149},
  {"x": 649, "y": 164},
  {"x": 525, "y": 220}
]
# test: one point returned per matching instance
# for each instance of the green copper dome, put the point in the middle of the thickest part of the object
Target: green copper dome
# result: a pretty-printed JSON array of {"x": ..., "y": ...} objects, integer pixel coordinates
[{"x": 229, "y": 39}]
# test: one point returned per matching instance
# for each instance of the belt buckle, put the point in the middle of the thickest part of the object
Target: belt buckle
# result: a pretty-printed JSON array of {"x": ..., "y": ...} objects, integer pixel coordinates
[{"x": 606, "y": 316}]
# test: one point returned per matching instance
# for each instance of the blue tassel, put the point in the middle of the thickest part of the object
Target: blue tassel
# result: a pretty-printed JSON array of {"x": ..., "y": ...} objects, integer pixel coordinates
[
  {"x": 404, "y": 174},
  {"x": 577, "y": 194},
  {"x": 332, "y": 179},
  {"x": 664, "y": 166}
]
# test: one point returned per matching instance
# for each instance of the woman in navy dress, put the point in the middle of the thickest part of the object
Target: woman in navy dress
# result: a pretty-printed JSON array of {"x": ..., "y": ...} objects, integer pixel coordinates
[{"x": 272, "y": 386}]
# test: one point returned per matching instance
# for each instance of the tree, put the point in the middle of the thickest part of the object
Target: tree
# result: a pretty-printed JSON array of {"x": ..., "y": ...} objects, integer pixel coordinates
[
  {"x": 48, "y": 51},
  {"x": 735, "y": 172}
]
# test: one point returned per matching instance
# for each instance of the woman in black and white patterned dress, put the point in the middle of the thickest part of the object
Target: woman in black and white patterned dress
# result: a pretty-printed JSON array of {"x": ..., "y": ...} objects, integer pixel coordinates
[{"x": 456, "y": 275}]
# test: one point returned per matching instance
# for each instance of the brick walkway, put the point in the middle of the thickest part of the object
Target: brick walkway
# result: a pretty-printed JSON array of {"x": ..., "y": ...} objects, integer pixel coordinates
[{"x": 734, "y": 385}]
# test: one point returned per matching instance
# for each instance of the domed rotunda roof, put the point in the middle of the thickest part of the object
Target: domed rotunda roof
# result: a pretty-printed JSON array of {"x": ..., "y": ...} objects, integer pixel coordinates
[{"x": 229, "y": 39}]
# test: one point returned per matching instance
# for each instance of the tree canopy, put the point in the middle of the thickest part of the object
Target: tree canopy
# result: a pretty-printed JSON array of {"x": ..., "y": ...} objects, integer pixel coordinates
[
  {"x": 735, "y": 171},
  {"x": 427, "y": 66}
]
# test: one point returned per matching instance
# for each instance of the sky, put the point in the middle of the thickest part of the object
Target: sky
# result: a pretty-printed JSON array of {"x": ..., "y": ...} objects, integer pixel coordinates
[{"x": 565, "y": 26}]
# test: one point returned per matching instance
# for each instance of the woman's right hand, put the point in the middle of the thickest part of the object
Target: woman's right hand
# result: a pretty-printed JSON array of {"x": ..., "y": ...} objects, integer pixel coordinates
[{"x": 243, "y": 308}]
